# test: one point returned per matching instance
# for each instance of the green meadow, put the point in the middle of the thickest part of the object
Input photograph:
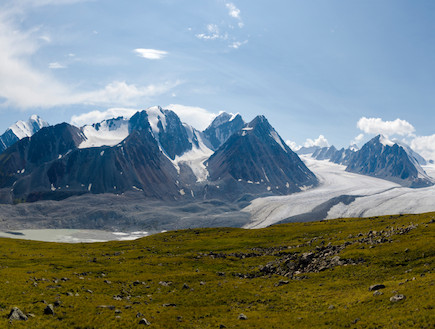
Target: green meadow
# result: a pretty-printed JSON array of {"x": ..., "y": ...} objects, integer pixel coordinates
[{"x": 299, "y": 275}]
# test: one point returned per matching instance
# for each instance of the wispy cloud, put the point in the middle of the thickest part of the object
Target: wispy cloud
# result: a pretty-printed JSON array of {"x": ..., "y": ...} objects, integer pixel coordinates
[
  {"x": 225, "y": 30},
  {"x": 121, "y": 93},
  {"x": 234, "y": 12},
  {"x": 213, "y": 32},
  {"x": 238, "y": 44},
  {"x": 195, "y": 116},
  {"x": 357, "y": 139},
  {"x": 56, "y": 65},
  {"x": 150, "y": 53},
  {"x": 23, "y": 86},
  {"x": 98, "y": 116},
  {"x": 378, "y": 126}
]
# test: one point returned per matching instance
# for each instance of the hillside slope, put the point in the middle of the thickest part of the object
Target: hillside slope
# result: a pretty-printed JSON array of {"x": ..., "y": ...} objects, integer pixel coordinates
[{"x": 300, "y": 275}]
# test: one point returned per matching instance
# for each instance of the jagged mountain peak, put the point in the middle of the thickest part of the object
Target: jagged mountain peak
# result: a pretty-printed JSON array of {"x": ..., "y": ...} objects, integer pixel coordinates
[
  {"x": 384, "y": 158},
  {"x": 222, "y": 127},
  {"x": 21, "y": 129},
  {"x": 222, "y": 118}
]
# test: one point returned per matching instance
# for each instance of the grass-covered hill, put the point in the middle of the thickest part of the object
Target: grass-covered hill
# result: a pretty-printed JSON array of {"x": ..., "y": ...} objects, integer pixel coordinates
[{"x": 302, "y": 275}]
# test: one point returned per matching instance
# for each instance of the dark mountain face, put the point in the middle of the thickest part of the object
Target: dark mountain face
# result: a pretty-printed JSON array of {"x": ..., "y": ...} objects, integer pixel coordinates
[
  {"x": 7, "y": 139},
  {"x": 135, "y": 164},
  {"x": 29, "y": 153},
  {"x": 255, "y": 161},
  {"x": 222, "y": 127},
  {"x": 257, "y": 158},
  {"x": 387, "y": 160}
]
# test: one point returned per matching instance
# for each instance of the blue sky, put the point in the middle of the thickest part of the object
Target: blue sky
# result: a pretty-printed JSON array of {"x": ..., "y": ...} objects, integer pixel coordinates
[{"x": 333, "y": 68}]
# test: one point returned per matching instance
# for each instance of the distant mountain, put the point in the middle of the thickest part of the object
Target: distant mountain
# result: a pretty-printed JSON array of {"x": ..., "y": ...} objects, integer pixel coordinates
[
  {"x": 307, "y": 150},
  {"x": 222, "y": 127},
  {"x": 257, "y": 159},
  {"x": 386, "y": 159},
  {"x": 330, "y": 153},
  {"x": 21, "y": 129}
]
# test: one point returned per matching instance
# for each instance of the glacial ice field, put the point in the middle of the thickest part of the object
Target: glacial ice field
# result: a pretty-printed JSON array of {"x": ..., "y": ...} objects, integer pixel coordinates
[{"x": 372, "y": 197}]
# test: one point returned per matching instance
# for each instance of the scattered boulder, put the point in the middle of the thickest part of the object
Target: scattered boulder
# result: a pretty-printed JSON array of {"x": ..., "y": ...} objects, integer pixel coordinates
[
  {"x": 49, "y": 310},
  {"x": 185, "y": 286},
  {"x": 397, "y": 298},
  {"x": 376, "y": 287},
  {"x": 144, "y": 322},
  {"x": 378, "y": 293},
  {"x": 281, "y": 283},
  {"x": 110, "y": 307},
  {"x": 165, "y": 284},
  {"x": 242, "y": 317},
  {"x": 17, "y": 314}
]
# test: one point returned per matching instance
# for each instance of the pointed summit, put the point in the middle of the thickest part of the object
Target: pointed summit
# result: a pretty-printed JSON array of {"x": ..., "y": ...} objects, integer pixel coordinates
[
  {"x": 256, "y": 159},
  {"x": 222, "y": 127},
  {"x": 383, "y": 158},
  {"x": 21, "y": 129}
]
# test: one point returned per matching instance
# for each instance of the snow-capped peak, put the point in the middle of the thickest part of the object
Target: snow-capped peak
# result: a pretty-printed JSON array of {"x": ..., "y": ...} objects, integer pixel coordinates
[
  {"x": 156, "y": 114},
  {"x": 385, "y": 141},
  {"x": 354, "y": 148},
  {"x": 27, "y": 128},
  {"x": 105, "y": 133}
]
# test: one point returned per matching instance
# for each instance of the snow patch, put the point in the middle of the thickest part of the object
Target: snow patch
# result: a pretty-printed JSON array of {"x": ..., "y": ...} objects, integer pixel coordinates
[
  {"x": 277, "y": 139},
  {"x": 195, "y": 159},
  {"x": 106, "y": 133}
]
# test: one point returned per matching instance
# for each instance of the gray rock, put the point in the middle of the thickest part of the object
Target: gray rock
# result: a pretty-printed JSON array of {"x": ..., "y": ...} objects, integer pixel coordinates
[
  {"x": 242, "y": 317},
  {"x": 144, "y": 322},
  {"x": 376, "y": 287},
  {"x": 378, "y": 293},
  {"x": 397, "y": 298},
  {"x": 281, "y": 283},
  {"x": 185, "y": 286},
  {"x": 49, "y": 310},
  {"x": 17, "y": 314}
]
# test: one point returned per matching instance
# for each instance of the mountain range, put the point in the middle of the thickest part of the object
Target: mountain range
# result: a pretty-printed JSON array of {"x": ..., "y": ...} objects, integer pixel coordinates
[{"x": 155, "y": 153}]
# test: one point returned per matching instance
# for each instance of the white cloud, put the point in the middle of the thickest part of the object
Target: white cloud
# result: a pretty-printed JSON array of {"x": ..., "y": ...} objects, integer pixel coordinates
[
  {"x": 378, "y": 126},
  {"x": 293, "y": 145},
  {"x": 233, "y": 11},
  {"x": 321, "y": 141},
  {"x": 150, "y": 53},
  {"x": 357, "y": 139},
  {"x": 238, "y": 44},
  {"x": 56, "y": 65},
  {"x": 425, "y": 146},
  {"x": 213, "y": 33},
  {"x": 197, "y": 117},
  {"x": 98, "y": 116},
  {"x": 23, "y": 86},
  {"x": 123, "y": 94}
]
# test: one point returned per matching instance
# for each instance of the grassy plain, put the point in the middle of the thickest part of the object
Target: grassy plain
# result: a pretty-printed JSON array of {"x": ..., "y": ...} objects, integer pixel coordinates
[{"x": 205, "y": 278}]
